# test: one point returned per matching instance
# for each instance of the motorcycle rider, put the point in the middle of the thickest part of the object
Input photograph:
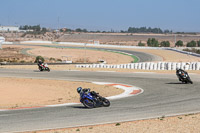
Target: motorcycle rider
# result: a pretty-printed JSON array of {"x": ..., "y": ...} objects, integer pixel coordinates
[
  {"x": 180, "y": 72},
  {"x": 81, "y": 91},
  {"x": 40, "y": 62}
]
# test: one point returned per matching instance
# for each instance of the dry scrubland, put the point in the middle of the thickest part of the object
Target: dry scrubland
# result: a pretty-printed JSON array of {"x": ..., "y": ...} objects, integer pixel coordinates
[
  {"x": 104, "y": 38},
  {"x": 126, "y": 38}
]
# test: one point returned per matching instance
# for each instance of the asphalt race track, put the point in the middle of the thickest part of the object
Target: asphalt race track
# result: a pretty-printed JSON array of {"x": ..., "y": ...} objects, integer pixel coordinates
[{"x": 163, "y": 96}]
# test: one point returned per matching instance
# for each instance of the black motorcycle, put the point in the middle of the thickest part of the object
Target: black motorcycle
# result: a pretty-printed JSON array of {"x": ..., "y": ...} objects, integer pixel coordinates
[
  {"x": 183, "y": 77},
  {"x": 43, "y": 67}
]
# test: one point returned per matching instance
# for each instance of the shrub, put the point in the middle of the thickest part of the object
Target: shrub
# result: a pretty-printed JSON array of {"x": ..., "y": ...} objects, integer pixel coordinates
[
  {"x": 192, "y": 50},
  {"x": 179, "y": 43},
  {"x": 165, "y": 44},
  {"x": 152, "y": 42},
  {"x": 191, "y": 44},
  {"x": 117, "y": 124},
  {"x": 59, "y": 60},
  {"x": 52, "y": 59},
  {"x": 39, "y": 58},
  {"x": 22, "y": 61},
  {"x": 198, "y": 43},
  {"x": 141, "y": 44}
]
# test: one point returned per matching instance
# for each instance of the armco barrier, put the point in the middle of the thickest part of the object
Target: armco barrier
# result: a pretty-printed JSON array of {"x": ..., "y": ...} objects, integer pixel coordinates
[{"x": 149, "y": 66}]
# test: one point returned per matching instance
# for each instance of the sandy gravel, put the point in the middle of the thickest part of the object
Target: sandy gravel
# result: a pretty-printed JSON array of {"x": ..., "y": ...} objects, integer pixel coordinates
[
  {"x": 178, "y": 124},
  {"x": 21, "y": 92},
  {"x": 81, "y": 55}
]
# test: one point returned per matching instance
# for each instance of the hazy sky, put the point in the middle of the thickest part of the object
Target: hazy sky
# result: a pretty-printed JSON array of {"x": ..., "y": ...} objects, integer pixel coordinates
[{"x": 176, "y": 15}]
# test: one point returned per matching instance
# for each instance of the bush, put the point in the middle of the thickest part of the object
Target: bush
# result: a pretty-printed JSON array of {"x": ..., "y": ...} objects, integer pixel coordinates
[
  {"x": 165, "y": 44},
  {"x": 152, "y": 42},
  {"x": 1, "y": 60},
  {"x": 22, "y": 61},
  {"x": 39, "y": 58},
  {"x": 52, "y": 59},
  {"x": 179, "y": 43},
  {"x": 59, "y": 60},
  {"x": 198, "y": 43},
  {"x": 192, "y": 44},
  {"x": 192, "y": 50},
  {"x": 141, "y": 44}
]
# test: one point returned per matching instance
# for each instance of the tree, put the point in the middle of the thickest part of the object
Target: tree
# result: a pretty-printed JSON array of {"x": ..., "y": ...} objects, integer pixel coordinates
[
  {"x": 144, "y": 30},
  {"x": 166, "y": 31},
  {"x": 152, "y": 42},
  {"x": 198, "y": 43},
  {"x": 84, "y": 30},
  {"x": 44, "y": 30},
  {"x": 165, "y": 44},
  {"x": 179, "y": 43},
  {"x": 39, "y": 58},
  {"x": 192, "y": 44},
  {"x": 141, "y": 44},
  {"x": 78, "y": 30}
]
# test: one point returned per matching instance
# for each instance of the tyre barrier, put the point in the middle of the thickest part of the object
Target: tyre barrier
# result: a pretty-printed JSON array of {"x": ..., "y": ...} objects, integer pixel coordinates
[{"x": 148, "y": 66}]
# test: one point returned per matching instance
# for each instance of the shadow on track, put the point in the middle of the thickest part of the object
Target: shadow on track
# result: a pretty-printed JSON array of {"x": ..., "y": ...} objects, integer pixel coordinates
[
  {"x": 39, "y": 71},
  {"x": 176, "y": 83},
  {"x": 79, "y": 107},
  {"x": 36, "y": 70}
]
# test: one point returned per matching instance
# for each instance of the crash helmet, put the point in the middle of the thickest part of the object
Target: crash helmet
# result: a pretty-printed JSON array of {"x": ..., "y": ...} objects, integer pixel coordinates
[
  {"x": 79, "y": 89},
  {"x": 187, "y": 63},
  {"x": 177, "y": 68}
]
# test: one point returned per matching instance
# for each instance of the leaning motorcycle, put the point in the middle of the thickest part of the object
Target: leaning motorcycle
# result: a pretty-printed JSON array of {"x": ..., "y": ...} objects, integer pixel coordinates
[
  {"x": 43, "y": 67},
  {"x": 184, "y": 78},
  {"x": 93, "y": 99}
]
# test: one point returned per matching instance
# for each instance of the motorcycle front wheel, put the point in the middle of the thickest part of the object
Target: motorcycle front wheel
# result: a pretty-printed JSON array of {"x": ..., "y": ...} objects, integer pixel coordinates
[
  {"x": 106, "y": 102},
  {"x": 89, "y": 103},
  {"x": 189, "y": 80}
]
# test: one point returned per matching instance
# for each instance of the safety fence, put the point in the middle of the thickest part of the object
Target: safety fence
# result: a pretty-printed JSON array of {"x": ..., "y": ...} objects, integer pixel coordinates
[{"x": 148, "y": 66}]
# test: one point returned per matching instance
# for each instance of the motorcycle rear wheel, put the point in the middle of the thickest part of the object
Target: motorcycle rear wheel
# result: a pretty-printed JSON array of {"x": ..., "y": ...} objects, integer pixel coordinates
[{"x": 40, "y": 69}]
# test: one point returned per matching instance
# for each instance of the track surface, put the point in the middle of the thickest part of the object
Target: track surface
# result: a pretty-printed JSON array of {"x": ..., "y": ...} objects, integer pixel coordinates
[{"x": 163, "y": 95}]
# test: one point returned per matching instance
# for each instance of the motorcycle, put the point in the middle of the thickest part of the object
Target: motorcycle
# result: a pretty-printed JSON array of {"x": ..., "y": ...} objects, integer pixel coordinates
[
  {"x": 184, "y": 77},
  {"x": 93, "y": 100},
  {"x": 43, "y": 67}
]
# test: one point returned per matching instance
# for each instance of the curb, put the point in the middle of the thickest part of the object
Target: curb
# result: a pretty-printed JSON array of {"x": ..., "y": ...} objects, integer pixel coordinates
[{"x": 128, "y": 91}]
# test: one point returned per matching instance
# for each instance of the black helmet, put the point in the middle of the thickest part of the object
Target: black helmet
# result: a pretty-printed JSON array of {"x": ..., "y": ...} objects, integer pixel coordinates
[{"x": 79, "y": 89}]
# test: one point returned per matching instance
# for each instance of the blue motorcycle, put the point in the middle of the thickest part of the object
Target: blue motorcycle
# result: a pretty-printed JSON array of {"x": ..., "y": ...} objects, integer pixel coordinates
[{"x": 93, "y": 99}]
